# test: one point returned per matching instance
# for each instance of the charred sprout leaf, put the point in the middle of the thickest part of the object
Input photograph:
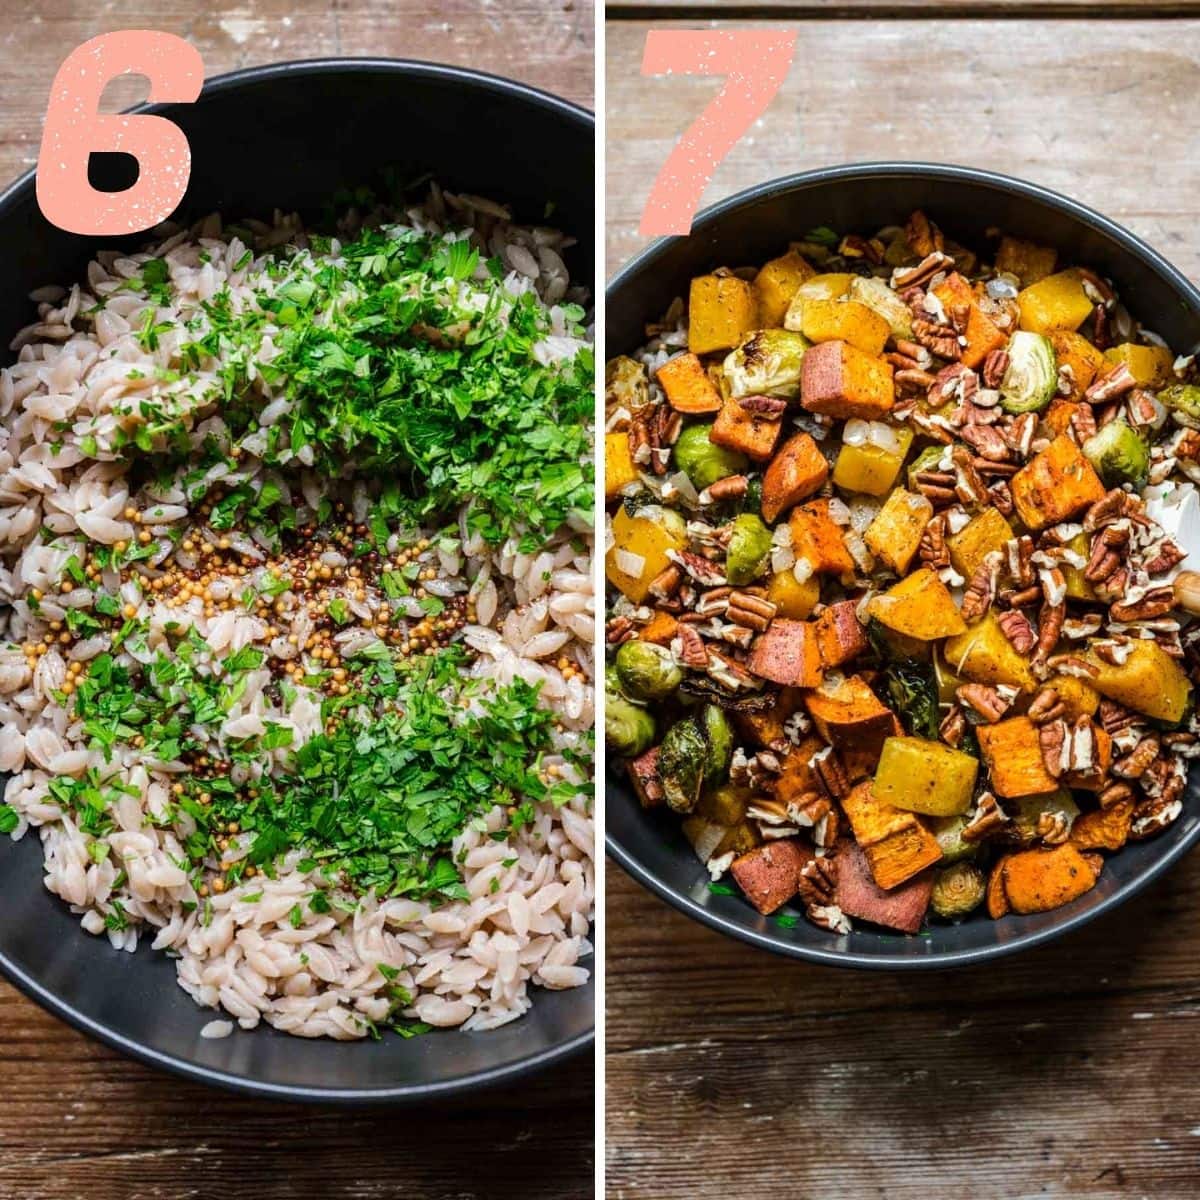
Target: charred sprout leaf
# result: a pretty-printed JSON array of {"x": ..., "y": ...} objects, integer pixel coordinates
[
  {"x": 958, "y": 890},
  {"x": 704, "y": 462},
  {"x": 767, "y": 363},
  {"x": 752, "y": 497},
  {"x": 1183, "y": 401},
  {"x": 748, "y": 550},
  {"x": 647, "y": 671},
  {"x": 1119, "y": 454},
  {"x": 700, "y": 687},
  {"x": 913, "y": 692},
  {"x": 720, "y": 743},
  {"x": 628, "y": 728},
  {"x": 682, "y": 759}
]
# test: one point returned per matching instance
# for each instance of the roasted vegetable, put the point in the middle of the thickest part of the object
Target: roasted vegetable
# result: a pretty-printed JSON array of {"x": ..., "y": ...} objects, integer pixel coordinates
[
  {"x": 986, "y": 532},
  {"x": 719, "y": 739},
  {"x": 788, "y": 653},
  {"x": 746, "y": 430},
  {"x": 840, "y": 635},
  {"x": 1149, "y": 681},
  {"x": 896, "y": 843},
  {"x": 818, "y": 287},
  {"x": 880, "y": 298},
  {"x": 1182, "y": 400},
  {"x": 871, "y": 456},
  {"x": 1079, "y": 362},
  {"x": 1012, "y": 750},
  {"x": 770, "y": 875},
  {"x": 1044, "y": 879},
  {"x": 1057, "y": 484},
  {"x": 919, "y": 606},
  {"x": 721, "y": 311},
  {"x": 818, "y": 541},
  {"x": 618, "y": 464},
  {"x": 795, "y": 473},
  {"x": 844, "y": 321},
  {"x": 849, "y": 714},
  {"x": 1151, "y": 366},
  {"x": 984, "y": 655},
  {"x": 894, "y": 536},
  {"x": 776, "y": 283},
  {"x": 625, "y": 384},
  {"x": 958, "y": 890},
  {"x": 646, "y": 671},
  {"x": 839, "y": 380},
  {"x": 767, "y": 363},
  {"x": 682, "y": 762},
  {"x": 1119, "y": 454},
  {"x": 702, "y": 460},
  {"x": 1028, "y": 261},
  {"x": 1031, "y": 377},
  {"x": 912, "y": 689},
  {"x": 1056, "y": 302},
  {"x": 628, "y": 728},
  {"x": 639, "y": 549},
  {"x": 856, "y": 893},
  {"x": 748, "y": 549},
  {"x": 792, "y": 598},
  {"x": 981, "y": 334},
  {"x": 1028, "y": 811},
  {"x": 1104, "y": 828},
  {"x": 687, "y": 385},
  {"x": 948, "y": 831},
  {"x": 925, "y": 777}
]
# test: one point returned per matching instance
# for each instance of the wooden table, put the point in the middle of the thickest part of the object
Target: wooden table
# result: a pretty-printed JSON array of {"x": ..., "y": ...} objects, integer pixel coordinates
[
  {"x": 77, "y": 1119},
  {"x": 1068, "y": 1071}
]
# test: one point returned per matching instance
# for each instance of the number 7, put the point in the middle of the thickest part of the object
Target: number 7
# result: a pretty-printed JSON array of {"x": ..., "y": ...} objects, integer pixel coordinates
[{"x": 755, "y": 63}]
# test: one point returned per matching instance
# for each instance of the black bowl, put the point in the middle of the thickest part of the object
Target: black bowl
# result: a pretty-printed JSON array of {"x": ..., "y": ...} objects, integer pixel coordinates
[
  {"x": 749, "y": 228},
  {"x": 290, "y": 136}
]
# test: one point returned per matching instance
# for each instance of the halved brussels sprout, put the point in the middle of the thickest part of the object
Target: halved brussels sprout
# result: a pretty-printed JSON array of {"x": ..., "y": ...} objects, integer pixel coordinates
[
  {"x": 957, "y": 890},
  {"x": 1119, "y": 453},
  {"x": 720, "y": 743},
  {"x": 1029, "y": 810},
  {"x": 647, "y": 671},
  {"x": 748, "y": 549},
  {"x": 948, "y": 831},
  {"x": 767, "y": 363},
  {"x": 1183, "y": 401},
  {"x": 628, "y": 728},
  {"x": 1031, "y": 379},
  {"x": 682, "y": 760},
  {"x": 880, "y": 298},
  {"x": 704, "y": 462}
]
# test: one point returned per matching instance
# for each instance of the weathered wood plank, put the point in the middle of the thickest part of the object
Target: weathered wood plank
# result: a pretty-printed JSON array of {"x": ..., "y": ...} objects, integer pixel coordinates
[{"x": 1098, "y": 111}]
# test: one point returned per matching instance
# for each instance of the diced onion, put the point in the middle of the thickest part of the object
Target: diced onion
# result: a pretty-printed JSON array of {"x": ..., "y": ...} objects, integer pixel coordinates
[{"x": 630, "y": 564}]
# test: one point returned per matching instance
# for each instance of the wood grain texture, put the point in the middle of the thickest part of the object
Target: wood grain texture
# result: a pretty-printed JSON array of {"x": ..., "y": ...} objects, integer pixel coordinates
[
  {"x": 1064, "y": 1072},
  {"x": 80, "y": 1120},
  {"x": 1098, "y": 110}
]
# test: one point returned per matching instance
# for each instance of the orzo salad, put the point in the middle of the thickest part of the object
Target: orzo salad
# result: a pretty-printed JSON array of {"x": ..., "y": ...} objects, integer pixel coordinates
[
  {"x": 296, "y": 561},
  {"x": 902, "y": 555}
]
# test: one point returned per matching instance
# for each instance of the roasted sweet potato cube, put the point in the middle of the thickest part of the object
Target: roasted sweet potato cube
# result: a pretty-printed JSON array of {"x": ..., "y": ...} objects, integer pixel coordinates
[
  {"x": 896, "y": 843},
  {"x": 660, "y": 629},
  {"x": 770, "y": 875},
  {"x": 787, "y": 653},
  {"x": 1078, "y": 362},
  {"x": 850, "y": 714},
  {"x": 1055, "y": 486},
  {"x": 721, "y": 311},
  {"x": 795, "y": 473},
  {"x": 766, "y": 728},
  {"x": 1060, "y": 414},
  {"x": 840, "y": 634},
  {"x": 818, "y": 539},
  {"x": 687, "y": 385},
  {"x": 839, "y": 380},
  {"x": 858, "y": 895},
  {"x": 1013, "y": 753},
  {"x": 1028, "y": 261},
  {"x": 749, "y": 432},
  {"x": 797, "y": 774},
  {"x": 1104, "y": 828},
  {"x": 981, "y": 332},
  {"x": 643, "y": 775},
  {"x": 1043, "y": 879}
]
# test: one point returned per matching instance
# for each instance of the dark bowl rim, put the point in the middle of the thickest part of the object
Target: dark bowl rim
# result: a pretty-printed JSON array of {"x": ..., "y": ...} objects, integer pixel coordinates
[
  {"x": 867, "y": 172},
  {"x": 402, "y": 1093}
]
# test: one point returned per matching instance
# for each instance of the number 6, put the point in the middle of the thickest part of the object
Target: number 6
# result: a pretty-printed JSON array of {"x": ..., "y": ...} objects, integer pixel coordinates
[
  {"x": 755, "y": 63},
  {"x": 75, "y": 129}
]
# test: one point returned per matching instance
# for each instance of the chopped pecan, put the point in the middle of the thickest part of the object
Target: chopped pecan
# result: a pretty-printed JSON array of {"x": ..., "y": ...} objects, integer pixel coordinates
[
  {"x": 755, "y": 612},
  {"x": 1105, "y": 556},
  {"x": 1015, "y": 626},
  {"x": 1082, "y": 425},
  {"x": 818, "y": 879},
  {"x": 1000, "y": 495},
  {"x": 728, "y": 488},
  {"x": 1139, "y": 760},
  {"x": 987, "y": 701},
  {"x": 831, "y": 773},
  {"x": 923, "y": 236},
  {"x": 1142, "y": 408},
  {"x": 1053, "y": 827},
  {"x": 1050, "y": 623},
  {"x": 692, "y": 650},
  {"x": 1111, "y": 507},
  {"x": 933, "y": 549},
  {"x": 1155, "y": 603},
  {"x": 987, "y": 820},
  {"x": 987, "y": 442},
  {"x": 1046, "y": 706},
  {"x": 1155, "y": 813},
  {"x": 933, "y": 262},
  {"x": 1167, "y": 556},
  {"x": 953, "y": 727},
  {"x": 854, "y": 246},
  {"x": 937, "y": 487},
  {"x": 1101, "y": 331},
  {"x": 994, "y": 367},
  {"x": 666, "y": 583},
  {"x": 713, "y": 603},
  {"x": 1053, "y": 739},
  {"x": 1115, "y": 793},
  {"x": 968, "y": 486},
  {"x": 913, "y": 380},
  {"x": 705, "y": 572},
  {"x": 619, "y": 630},
  {"x": 981, "y": 591},
  {"x": 770, "y": 407},
  {"x": 1020, "y": 434},
  {"x": 941, "y": 340},
  {"x": 1111, "y": 385},
  {"x": 1019, "y": 551},
  {"x": 954, "y": 383}
]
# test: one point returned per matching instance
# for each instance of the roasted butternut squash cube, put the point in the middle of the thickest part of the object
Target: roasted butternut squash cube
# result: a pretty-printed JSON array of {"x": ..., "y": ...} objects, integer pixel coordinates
[
  {"x": 787, "y": 653},
  {"x": 639, "y": 549},
  {"x": 982, "y": 534},
  {"x": 849, "y": 713},
  {"x": 688, "y": 386},
  {"x": 618, "y": 464},
  {"x": 1149, "y": 681},
  {"x": 925, "y": 777},
  {"x": 832, "y": 286},
  {"x": 817, "y": 539},
  {"x": 1058, "y": 416},
  {"x": 1044, "y": 879},
  {"x": 795, "y": 473},
  {"x": 894, "y": 536},
  {"x": 721, "y": 311},
  {"x": 984, "y": 655},
  {"x": 1074, "y": 351},
  {"x": 1080, "y": 698},
  {"x": 1028, "y": 261},
  {"x": 839, "y": 380},
  {"x": 896, "y": 843},
  {"x": 844, "y": 321},
  {"x": 750, "y": 433},
  {"x": 1103, "y": 828},
  {"x": 776, "y": 284},
  {"x": 1056, "y": 302},
  {"x": 660, "y": 629},
  {"x": 982, "y": 334},
  {"x": 871, "y": 469},
  {"x": 919, "y": 606},
  {"x": 840, "y": 635},
  {"x": 1151, "y": 366},
  {"x": 1012, "y": 750},
  {"x": 791, "y": 597},
  {"x": 1079, "y": 586},
  {"x": 1055, "y": 485}
]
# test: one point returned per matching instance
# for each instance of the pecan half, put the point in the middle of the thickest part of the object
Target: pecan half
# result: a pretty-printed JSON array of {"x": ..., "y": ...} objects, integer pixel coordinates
[
  {"x": 987, "y": 442},
  {"x": 1139, "y": 760},
  {"x": 1053, "y": 828},
  {"x": 705, "y": 572},
  {"x": 933, "y": 549},
  {"x": 770, "y": 407},
  {"x": 1052, "y": 737},
  {"x": 987, "y": 701},
  {"x": 981, "y": 591},
  {"x": 666, "y": 583},
  {"x": 953, "y": 727},
  {"x": 818, "y": 879},
  {"x": 831, "y": 773},
  {"x": 692, "y": 650},
  {"x": 994, "y": 367},
  {"x": 1015, "y": 626},
  {"x": 1046, "y": 706},
  {"x": 728, "y": 488},
  {"x": 987, "y": 820},
  {"x": 1155, "y": 603},
  {"x": 933, "y": 262},
  {"x": 1111, "y": 385},
  {"x": 755, "y": 612},
  {"x": 941, "y": 340},
  {"x": 923, "y": 236}
]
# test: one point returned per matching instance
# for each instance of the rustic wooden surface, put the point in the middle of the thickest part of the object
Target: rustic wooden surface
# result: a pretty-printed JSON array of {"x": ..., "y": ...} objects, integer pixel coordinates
[
  {"x": 1065, "y": 1072},
  {"x": 77, "y": 1119}
]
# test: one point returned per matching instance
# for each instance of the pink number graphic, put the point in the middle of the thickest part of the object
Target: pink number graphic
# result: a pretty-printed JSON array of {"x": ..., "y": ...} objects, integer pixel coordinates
[
  {"x": 755, "y": 63},
  {"x": 75, "y": 128}
]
